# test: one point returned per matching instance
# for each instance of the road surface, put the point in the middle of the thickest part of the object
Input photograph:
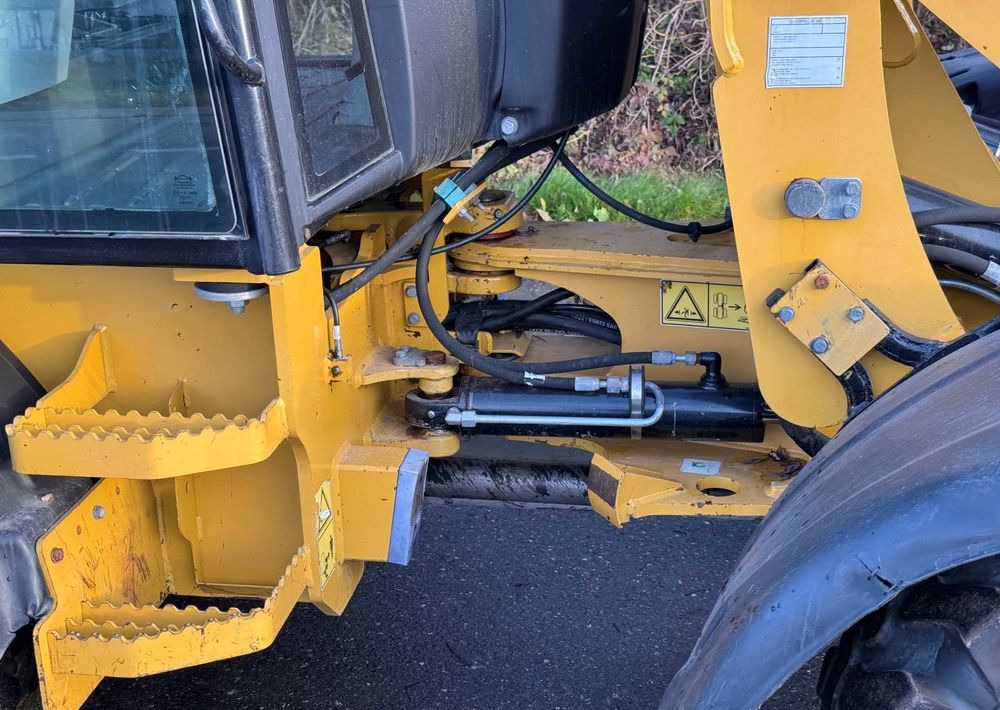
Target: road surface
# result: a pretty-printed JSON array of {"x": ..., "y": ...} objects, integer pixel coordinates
[{"x": 504, "y": 607}]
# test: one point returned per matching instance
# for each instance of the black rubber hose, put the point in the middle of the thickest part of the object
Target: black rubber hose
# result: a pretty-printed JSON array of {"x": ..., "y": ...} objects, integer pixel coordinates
[
  {"x": 965, "y": 214},
  {"x": 495, "y": 158},
  {"x": 987, "y": 293},
  {"x": 570, "y": 325},
  {"x": 543, "y": 302},
  {"x": 962, "y": 260},
  {"x": 692, "y": 229},
  {"x": 509, "y": 215},
  {"x": 508, "y": 371}
]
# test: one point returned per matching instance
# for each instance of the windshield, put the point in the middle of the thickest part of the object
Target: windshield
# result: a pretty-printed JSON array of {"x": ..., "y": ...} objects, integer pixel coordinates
[{"x": 107, "y": 123}]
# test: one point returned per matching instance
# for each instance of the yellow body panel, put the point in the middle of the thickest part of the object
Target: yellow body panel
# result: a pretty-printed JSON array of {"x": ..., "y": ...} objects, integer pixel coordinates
[{"x": 771, "y": 137}]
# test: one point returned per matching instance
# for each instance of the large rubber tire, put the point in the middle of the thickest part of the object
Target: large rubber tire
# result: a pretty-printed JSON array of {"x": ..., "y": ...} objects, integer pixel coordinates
[
  {"x": 935, "y": 647},
  {"x": 18, "y": 678}
]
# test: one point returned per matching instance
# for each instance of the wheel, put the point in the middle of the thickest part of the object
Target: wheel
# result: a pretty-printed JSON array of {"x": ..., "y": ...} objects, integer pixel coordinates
[
  {"x": 935, "y": 647},
  {"x": 18, "y": 676}
]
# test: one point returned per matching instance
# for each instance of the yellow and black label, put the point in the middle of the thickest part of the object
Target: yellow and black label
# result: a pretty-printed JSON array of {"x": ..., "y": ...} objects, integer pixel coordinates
[
  {"x": 703, "y": 305},
  {"x": 324, "y": 534}
]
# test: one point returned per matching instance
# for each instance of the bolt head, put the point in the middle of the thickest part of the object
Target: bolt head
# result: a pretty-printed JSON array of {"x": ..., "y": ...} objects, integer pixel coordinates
[
  {"x": 413, "y": 318},
  {"x": 786, "y": 314},
  {"x": 237, "y": 307},
  {"x": 822, "y": 281},
  {"x": 820, "y": 345},
  {"x": 336, "y": 371},
  {"x": 509, "y": 125},
  {"x": 851, "y": 211},
  {"x": 435, "y": 357},
  {"x": 856, "y": 314},
  {"x": 57, "y": 554},
  {"x": 98, "y": 512},
  {"x": 411, "y": 291}
]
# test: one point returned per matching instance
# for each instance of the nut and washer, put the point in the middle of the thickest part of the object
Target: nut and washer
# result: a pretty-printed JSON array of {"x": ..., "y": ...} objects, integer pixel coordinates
[
  {"x": 98, "y": 512},
  {"x": 856, "y": 314},
  {"x": 411, "y": 291},
  {"x": 786, "y": 314},
  {"x": 413, "y": 318},
  {"x": 820, "y": 345}
]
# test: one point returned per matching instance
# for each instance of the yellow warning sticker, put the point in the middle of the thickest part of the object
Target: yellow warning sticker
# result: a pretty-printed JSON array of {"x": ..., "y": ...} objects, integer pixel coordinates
[
  {"x": 324, "y": 534},
  {"x": 704, "y": 305}
]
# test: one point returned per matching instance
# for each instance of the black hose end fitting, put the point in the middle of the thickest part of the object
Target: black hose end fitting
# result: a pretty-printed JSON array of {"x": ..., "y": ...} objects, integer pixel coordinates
[{"x": 713, "y": 379}]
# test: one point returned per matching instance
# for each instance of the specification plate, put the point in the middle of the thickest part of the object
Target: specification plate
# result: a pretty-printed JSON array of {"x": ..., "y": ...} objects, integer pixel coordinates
[
  {"x": 806, "y": 51},
  {"x": 703, "y": 305}
]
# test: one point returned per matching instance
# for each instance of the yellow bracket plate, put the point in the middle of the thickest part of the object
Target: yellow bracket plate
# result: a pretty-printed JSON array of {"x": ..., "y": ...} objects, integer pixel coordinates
[{"x": 821, "y": 306}]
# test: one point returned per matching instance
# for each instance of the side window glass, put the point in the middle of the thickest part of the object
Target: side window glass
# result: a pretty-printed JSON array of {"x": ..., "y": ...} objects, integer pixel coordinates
[
  {"x": 107, "y": 120},
  {"x": 335, "y": 86}
]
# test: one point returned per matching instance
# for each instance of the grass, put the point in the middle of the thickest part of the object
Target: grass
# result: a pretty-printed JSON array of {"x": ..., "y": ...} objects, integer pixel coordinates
[{"x": 678, "y": 197}]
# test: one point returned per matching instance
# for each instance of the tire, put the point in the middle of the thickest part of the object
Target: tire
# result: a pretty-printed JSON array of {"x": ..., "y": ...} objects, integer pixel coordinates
[
  {"x": 935, "y": 647},
  {"x": 18, "y": 676}
]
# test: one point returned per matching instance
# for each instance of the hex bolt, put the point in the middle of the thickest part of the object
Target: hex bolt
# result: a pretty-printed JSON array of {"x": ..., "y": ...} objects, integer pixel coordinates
[
  {"x": 853, "y": 188},
  {"x": 786, "y": 314},
  {"x": 820, "y": 345},
  {"x": 56, "y": 554},
  {"x": 336, "y": 371},
  {"x": 435, "y": 357},
  {"x": 851, "y": 211},
  {"x": 411, "y": 291},
  {"x": 509, "y": 125},
  {"x": 413, "y": 318},
  {"x": 237, "y": 307},
  {"x": 856, "y": 314},
  {"x": 98, "y": 512},
  {"x": 821, "y": 281}
]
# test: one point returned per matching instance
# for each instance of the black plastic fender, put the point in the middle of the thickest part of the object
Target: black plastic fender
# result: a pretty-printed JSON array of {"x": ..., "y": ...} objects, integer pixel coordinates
[{"x": 908, "y": 489}]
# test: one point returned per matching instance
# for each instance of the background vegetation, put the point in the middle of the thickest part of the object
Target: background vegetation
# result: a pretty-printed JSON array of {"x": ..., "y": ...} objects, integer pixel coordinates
[{"x": 659, "y": 150}]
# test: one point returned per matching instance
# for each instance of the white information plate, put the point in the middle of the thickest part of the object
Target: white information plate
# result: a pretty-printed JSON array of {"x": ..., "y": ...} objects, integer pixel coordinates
[
  {"x": 807, "y": 51},
  {"x": 703, "y": 467}
]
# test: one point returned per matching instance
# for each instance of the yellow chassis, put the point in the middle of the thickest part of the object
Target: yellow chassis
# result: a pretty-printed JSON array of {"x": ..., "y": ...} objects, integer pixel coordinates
[{"x": 240, "y": 457}]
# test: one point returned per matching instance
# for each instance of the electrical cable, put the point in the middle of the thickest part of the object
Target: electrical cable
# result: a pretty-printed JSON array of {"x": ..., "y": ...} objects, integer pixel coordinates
[
  {"x": 509, "y": 215},
  {"x": 694, "y": 230}
]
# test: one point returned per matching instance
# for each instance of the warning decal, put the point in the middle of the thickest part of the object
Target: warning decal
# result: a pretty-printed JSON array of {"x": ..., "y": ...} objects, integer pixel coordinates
[
  {"x": 703, "y": 305},
  {"x": 685, "y": 308},
  {"x": 324, "y": 533}
]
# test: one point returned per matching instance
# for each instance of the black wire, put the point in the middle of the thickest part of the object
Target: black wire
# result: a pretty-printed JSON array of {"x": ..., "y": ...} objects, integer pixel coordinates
[
  {"x": 693, "y": 229},
  {"x": 501, "y": 221}
]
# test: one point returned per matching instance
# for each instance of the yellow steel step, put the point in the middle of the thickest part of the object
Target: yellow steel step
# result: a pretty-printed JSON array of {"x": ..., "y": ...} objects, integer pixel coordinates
[
  {"x": 63, "y": 435},
  {"x": 131, "y": 641}
]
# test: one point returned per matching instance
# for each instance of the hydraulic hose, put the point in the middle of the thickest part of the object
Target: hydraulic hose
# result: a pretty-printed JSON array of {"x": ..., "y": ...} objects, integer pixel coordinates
[
  {"x": 509, "y": 215},
  {"x": 520, "y": 373},
  {"x": 965, "y": 261},
  {"x": 693, "y": 229},
  {"x": 965, "y": 214},
  {"x": 543, "y": 302},
  {"x": 987, "y": 293},
  {"x": 554, "y": 321}
]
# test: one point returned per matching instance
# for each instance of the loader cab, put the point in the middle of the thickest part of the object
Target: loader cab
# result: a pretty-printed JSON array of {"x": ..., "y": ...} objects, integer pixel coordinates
[
  {"x": 128, "y": 138},
  {"x": 122, "y": 143}
]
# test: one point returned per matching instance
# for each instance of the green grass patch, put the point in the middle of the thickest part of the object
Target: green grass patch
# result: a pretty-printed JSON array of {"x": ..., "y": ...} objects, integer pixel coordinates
[{"x": 678, "y": 197}]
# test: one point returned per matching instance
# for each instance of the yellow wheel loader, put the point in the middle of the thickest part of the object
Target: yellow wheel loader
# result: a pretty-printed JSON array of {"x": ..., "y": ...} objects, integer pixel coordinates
[{"x": 257, "y": 280}]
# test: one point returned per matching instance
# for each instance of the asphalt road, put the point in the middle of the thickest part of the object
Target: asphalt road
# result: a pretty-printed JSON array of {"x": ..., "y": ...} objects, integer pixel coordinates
[{"x": 504, "y": 607}]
